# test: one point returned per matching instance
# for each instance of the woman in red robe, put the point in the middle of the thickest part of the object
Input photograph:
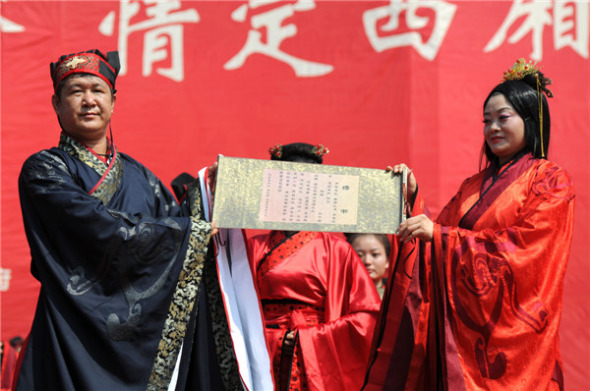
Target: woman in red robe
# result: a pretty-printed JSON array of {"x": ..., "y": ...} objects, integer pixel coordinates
[
  {"x": 479, "y": 305},
  {"x": 319, "y": 303}
]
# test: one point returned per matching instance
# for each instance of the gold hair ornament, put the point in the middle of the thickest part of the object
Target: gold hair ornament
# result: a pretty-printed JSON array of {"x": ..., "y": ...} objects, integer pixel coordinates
[{"x": 521, "y": 69}]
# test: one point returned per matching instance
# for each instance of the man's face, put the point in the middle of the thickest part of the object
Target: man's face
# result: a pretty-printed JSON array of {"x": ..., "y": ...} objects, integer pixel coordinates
[{"x": 84, "y": 107}]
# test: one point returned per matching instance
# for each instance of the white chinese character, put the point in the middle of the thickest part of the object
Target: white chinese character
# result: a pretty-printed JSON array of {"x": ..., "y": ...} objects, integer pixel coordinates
[
  {"x": 570, "y": 25},
  {"x": 272, "y": 21},
  {"x": 537, "y": 16},
  {"x": 8, "y": 26},
  {"x": 163, "y": 37},
  {"x": 444, "y": 13},
  {"x": 5, "y": 276},
  {"x": 562, "y": 14}
]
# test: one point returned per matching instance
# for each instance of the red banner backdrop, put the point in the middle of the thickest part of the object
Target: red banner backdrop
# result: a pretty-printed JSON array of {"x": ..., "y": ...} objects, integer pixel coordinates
[{"x": 377, "y": 82}]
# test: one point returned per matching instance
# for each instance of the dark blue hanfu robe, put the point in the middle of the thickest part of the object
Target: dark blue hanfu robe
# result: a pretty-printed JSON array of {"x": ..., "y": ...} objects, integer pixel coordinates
[{"x": 121, "y": 266}]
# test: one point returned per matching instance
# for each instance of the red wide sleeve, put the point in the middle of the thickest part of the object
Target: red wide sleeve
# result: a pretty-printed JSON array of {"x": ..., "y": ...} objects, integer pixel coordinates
[
  {"x": 503, "y": 282},
  {"x": 336, "y": 352},
  {"x": 403, "y": 315}
]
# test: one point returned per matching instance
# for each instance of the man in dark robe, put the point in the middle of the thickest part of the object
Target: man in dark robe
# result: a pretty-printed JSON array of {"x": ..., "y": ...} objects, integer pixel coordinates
[{"x": 122, "y": 266}]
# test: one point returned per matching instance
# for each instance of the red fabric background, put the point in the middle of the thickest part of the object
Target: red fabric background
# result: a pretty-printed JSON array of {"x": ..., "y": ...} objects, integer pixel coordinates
[{"x": 374, "y": 108}]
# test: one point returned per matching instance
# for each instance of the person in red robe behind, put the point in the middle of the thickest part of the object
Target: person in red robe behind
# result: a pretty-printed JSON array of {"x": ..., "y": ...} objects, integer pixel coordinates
[
  {"x": 8, "y": 359},
  {"x": 319, "y": 303},
  {"x": 476, "y": 301}
]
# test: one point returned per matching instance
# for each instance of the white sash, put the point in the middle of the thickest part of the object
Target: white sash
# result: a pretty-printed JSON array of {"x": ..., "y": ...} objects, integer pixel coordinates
[{"x": 241, "y": 301}]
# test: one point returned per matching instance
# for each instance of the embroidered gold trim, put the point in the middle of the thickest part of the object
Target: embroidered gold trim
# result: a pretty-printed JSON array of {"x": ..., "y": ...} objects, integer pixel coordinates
[
  {"x": 184, "y": 297},
  {"x": 111, "y": 182}
]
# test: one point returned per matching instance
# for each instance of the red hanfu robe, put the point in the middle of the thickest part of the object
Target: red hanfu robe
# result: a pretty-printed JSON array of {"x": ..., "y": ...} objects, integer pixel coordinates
[
  {"x": 315, "y": 283},
  {"x": 480, "y": 307}
]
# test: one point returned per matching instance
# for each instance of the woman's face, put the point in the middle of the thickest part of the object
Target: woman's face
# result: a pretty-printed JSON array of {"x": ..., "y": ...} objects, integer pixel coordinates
[
  {"x": 503, "y": 128},
  {"x": 372, "y": 253}
]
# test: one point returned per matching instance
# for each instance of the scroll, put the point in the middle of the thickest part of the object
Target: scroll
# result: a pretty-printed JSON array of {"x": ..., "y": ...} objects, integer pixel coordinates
[{"x": 277, "y": 195}]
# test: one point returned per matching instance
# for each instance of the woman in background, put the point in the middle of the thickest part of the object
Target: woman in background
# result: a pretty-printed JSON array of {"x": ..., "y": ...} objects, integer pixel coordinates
[
  {"x": 374, "y": 250},
  {"x": 319, "y": 303}
]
